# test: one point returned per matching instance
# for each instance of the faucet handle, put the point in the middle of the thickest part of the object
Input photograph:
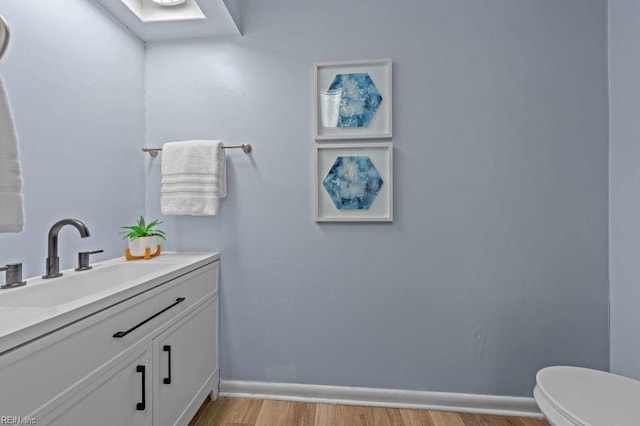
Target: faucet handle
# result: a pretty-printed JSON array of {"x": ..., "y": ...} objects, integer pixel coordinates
[
  {"x": 14, "y": 275},
  {"x": 83, "y": 260}
]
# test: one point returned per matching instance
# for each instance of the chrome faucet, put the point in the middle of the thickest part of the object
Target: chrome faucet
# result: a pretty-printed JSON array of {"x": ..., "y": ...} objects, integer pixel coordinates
[{"x": 53, "y": 261}]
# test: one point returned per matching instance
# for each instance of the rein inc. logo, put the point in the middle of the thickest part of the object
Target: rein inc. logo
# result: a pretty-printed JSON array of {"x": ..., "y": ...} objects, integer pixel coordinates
[{"x": 18, "y": 420}]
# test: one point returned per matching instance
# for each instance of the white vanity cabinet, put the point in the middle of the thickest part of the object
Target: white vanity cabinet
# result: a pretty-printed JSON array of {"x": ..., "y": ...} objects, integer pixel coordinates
[
  {"x": 150, "y": 359},
  {"x": 105, "y": 400},
  {"x": 182, "y": 360}
]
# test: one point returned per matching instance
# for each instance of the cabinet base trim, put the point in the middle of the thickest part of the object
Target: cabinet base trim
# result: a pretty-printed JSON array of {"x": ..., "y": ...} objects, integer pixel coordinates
[
  {"x": 468, "y": 403},
  {"x": 204, "y": 392}
]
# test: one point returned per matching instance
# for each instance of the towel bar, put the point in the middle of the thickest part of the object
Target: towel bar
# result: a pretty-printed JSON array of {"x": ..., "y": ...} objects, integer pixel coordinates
[{"x": 246, "y": 148}]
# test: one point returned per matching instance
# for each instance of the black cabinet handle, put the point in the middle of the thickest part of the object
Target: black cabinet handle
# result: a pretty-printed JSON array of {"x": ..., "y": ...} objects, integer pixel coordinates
[
  {"x": 140, "y": 406},
  {"x": 167, "y": 380},
  {"x": 120, "y": 334}
]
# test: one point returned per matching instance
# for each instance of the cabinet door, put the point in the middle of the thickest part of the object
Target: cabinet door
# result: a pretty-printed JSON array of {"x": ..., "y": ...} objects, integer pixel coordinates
[
  {"x": 121, "y": 396},
  {"x": 185, "y": 359}
]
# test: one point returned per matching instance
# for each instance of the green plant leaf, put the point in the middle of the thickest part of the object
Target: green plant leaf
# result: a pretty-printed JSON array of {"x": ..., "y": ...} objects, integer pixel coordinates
[{"x": 142, "y": 229}]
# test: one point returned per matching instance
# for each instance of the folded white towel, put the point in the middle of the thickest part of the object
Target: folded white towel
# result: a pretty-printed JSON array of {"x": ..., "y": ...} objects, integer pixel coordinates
[
  {"x": 194, "y": 177},
  {"x": 11, "y": 200}
]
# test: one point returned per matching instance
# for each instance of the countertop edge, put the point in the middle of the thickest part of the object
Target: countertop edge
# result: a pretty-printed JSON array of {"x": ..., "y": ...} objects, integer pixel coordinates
[{"x": 41, "y": 327}]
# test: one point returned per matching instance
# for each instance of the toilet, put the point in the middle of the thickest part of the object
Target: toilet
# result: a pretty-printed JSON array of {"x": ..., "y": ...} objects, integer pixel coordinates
[{"x": 574, "y": 396}]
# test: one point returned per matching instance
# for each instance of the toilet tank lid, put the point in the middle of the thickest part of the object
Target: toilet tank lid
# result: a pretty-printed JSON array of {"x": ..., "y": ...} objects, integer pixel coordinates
[{"x": 591, "y": 397}]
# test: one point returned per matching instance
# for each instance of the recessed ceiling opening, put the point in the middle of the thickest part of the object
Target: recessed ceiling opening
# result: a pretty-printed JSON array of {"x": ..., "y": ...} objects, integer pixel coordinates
[
  {"x": 169, "y": 2},
  {"x": 165, "y": 10}
]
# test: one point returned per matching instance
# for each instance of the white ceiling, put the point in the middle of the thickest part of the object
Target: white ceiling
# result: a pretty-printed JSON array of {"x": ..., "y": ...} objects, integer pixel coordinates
[{"x": 221, "y": 19}]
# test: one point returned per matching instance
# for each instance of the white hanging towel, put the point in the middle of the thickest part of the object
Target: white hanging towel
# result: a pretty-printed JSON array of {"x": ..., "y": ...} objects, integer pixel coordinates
[
  {"x": 194, "y": 177},
  {"x": 11, "y": 199}
]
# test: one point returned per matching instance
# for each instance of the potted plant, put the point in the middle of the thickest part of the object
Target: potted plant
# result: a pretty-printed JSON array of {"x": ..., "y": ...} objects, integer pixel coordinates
[{"x": 142, "y": 236}]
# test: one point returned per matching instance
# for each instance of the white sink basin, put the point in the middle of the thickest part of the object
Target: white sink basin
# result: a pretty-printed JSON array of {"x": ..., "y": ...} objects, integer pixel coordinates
[{"x": 76, "y": 285}]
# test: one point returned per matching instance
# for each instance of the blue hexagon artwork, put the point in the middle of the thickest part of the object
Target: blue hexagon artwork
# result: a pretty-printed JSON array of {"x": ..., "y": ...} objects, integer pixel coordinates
[
  {"x": 353, "y": 183},
  {"x": 360, "y": 99}
]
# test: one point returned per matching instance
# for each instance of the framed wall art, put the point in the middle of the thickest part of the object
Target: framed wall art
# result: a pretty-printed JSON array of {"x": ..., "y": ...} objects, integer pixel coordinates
[
  {"x": 354, "y": 182},
  {"x": 352, "y": 100}
]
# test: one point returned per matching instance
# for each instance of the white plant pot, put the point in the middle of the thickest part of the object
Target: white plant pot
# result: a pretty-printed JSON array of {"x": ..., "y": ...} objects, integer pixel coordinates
[{"x": 138, "y": 246}]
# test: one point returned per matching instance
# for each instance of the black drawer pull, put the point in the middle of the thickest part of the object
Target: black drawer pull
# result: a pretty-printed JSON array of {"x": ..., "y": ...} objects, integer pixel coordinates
[
  {"x": 140, "y": 406},
  {"x": 167, "y": 380},
  {"x": 124, "y": 333}
]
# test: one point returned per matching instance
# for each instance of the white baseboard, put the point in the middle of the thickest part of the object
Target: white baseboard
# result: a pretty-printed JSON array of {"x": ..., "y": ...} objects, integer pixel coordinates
[{"x": 467, "y": 403}]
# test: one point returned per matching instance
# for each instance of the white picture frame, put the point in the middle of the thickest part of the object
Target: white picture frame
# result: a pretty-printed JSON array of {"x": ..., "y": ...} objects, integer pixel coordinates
[
  {"x": 341, "y": 112},
  {"x": 368, "y": 199}
]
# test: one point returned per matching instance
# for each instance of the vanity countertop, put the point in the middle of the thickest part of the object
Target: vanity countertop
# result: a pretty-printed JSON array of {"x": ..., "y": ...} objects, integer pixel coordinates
[{"x": 25, "y": 313}]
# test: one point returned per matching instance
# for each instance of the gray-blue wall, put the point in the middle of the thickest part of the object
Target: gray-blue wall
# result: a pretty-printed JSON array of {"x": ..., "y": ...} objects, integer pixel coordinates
[
  {"x": 624, "y": 181},
  {"x": 76, "y": 84},
  {"x": 496, "y": 263}
]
